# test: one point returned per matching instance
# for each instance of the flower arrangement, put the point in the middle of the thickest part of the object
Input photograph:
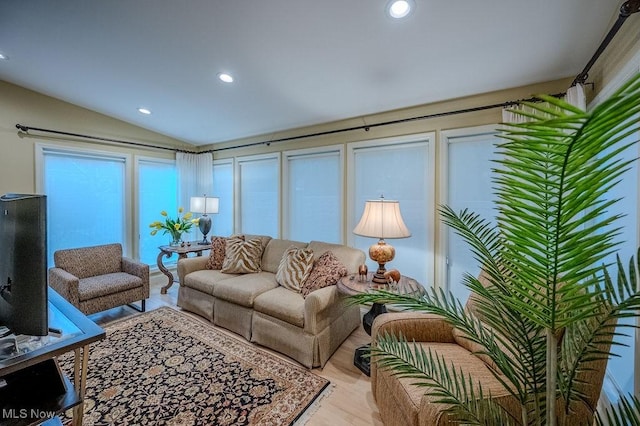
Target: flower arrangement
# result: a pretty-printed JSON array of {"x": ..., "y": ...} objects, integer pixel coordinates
[{"x": 174, "y": 227}]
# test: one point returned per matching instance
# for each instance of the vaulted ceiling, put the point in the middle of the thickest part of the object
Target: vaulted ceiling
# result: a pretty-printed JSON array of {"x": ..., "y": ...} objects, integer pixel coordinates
[{"x": 295, "y": 62}]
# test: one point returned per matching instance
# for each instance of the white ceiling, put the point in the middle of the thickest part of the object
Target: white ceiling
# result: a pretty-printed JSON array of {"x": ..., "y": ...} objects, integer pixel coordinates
[{"x": 296, "y": 62}]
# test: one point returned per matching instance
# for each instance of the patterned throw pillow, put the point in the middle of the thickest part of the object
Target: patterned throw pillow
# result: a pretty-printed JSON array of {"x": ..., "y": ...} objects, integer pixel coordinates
[
  {"x": 242, "y": 257},
  {"x": 327, "y": 270},
  {"x": 295, "y": 267},
  {"x": 216, "y": 255}
]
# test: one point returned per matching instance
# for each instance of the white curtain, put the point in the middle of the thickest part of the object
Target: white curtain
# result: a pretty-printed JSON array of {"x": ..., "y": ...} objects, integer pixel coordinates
[
  {"x": 195, "y": 176},
  {"x": 575, "y": 96}
]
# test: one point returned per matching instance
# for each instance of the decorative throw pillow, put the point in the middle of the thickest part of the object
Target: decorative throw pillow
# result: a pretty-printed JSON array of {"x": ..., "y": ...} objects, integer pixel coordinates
[
  {"x": 295, "y": 267},
  {"x": 216, "y": 255},
  {"x": 242, "y": 257},
  {"x": 327, "y": 270}
]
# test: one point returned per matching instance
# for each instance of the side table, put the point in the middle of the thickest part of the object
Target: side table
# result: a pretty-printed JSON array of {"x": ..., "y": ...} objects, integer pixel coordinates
[
  {"x": 182, "y": 251},
  {"x": 351, "y": 285}
]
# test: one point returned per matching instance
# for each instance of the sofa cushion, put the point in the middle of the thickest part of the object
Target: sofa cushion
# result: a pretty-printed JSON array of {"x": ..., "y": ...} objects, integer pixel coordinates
[
  {"x": 242, "y": 257},
  {"x": 216, "y": 255},
  {"x": 274, "y": 251},
  {"x": 106, "y": 284},
  {"x": 327, "y": 270},
  {"x": 242, "y": 290},
  {"x": 294, "y": 268},
  {"x": 350, "y": 257},
  {"x": 205, "y": 280},
  {"x": 283, "y": 304}
]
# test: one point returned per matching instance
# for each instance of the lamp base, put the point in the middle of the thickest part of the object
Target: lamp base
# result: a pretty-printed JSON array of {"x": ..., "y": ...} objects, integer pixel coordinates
[
  {"x": 205, "y": 226},
  {"x": 381, "y": 252},
  {"x": 378, "y": 276}
]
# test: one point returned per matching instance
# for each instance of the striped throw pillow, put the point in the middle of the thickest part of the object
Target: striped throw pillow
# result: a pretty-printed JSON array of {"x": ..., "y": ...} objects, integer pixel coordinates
[
  {"x": 242, "y": 257},
  {"x": 295, "y": 267}
]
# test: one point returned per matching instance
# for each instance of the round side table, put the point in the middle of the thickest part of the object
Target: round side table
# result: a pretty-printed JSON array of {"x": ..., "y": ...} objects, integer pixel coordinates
[{"x": 351, "y": 285}]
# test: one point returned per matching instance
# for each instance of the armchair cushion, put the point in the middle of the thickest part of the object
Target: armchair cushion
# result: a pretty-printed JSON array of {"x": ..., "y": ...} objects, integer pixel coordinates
[{"x": 104, "y": 285}]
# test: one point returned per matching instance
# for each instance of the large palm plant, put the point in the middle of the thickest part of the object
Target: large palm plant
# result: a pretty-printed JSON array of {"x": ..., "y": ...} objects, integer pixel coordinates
[{"x": 549, "y": 312}]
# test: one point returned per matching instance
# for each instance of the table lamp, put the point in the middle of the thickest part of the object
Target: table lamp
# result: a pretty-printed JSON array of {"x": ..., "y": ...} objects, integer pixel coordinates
[
  {"x": 381, "y": 219},
  {"x": 204, "y": 205}
]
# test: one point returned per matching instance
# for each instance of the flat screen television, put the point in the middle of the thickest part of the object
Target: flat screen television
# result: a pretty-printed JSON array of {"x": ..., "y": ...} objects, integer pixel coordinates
[{"x": 23, "y": 264}]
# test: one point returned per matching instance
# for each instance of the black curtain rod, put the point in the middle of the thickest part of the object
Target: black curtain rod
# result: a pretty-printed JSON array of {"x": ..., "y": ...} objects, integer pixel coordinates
[
  {"x": 367, "y": 127},
  {"x": 627, "y": 9},
  {"x": 26, "y": 129}
]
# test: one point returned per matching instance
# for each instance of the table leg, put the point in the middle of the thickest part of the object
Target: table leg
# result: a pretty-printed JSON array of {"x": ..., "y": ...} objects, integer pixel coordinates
[
  {"x": 361, "y": 356},
  {"x": 164, "y": 270},
  {"x": 80, "y": 368}
]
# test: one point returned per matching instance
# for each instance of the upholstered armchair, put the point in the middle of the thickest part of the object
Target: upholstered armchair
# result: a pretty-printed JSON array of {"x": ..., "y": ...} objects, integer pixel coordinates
[
  {"x": 98, "y": 278},
  {"x": 402, "y": 403}
]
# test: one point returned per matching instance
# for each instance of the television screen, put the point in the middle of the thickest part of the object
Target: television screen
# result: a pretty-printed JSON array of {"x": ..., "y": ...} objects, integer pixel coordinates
[{"x": 23, "y": 264}]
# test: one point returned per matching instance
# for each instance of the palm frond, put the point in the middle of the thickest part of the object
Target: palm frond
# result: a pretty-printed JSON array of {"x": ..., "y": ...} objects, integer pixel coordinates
[
  {"x": 625, "y": 413},
  {"x": 467, "y": 403}
]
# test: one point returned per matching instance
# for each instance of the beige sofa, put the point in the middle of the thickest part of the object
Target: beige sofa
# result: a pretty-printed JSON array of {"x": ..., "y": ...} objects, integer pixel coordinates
[{"x": 254, "y": 306}]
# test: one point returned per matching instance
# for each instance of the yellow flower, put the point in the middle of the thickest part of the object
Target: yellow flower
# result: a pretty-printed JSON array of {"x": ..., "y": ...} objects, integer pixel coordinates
[
  {"x": 177, "y": 226},
  {"x": 163, "y": 213},
  {"x": 154, "y": 232},
  {"x": 180, "y": 209},
  {"x": 187, "y": 216}
]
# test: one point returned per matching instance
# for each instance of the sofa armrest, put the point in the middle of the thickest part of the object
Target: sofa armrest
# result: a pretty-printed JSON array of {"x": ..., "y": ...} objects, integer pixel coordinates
[
  {"x": 321, "y": 304},
  {"x": 414, "y": 326},
  {"x": 190, "y": 264},
  {"x": 138, "y": 269},
  {"x": 65, "y": 284}
]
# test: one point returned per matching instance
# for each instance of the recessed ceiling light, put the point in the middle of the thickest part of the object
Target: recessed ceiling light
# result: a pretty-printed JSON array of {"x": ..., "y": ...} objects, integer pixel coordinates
[
  {"x": 3, "y": 57},
  {"x": 399, "y": 9},
  {"x": 223, "y": 76},
  {"x": 144, "y": 111}
]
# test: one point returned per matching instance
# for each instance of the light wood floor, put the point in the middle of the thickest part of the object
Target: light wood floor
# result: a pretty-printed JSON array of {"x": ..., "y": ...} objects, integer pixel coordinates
[{"x": 350, "y": 401}]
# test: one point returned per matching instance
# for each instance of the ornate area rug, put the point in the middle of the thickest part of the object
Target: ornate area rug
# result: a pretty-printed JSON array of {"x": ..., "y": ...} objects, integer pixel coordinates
[{"x": 165, "y": 367}]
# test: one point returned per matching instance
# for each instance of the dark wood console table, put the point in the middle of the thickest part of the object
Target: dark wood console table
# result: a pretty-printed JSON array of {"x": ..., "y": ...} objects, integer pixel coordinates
[
  {"x": 182, "y": 251},
  {"x": 32, "y": 387}
]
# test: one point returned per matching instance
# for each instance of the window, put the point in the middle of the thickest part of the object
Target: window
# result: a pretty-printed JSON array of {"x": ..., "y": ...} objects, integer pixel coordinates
[
  {"x": 400, "y": 169},
  {"x": 85, "y": 197},
  {"x": 222, "y": 223},
  {"x": 313, "y": 195},
  {"x": 627, "y": 193},
  {"x": 469, "y": 154},
  {"x": 157, "y": 191},
  {"x": 259, "y": 195}
]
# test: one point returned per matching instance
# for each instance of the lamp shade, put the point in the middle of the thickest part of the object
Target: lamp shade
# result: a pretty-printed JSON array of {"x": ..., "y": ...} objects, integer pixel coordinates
[
  {"x": 382, "y": 219},
  {"x": 204, "y": 204}
]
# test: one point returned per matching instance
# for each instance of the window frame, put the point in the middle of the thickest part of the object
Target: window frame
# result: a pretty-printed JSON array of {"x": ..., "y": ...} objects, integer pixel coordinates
[
  {"x": 392, "y": 143},
  {"x": 239, "y": 161},
  {"x": 41, "y": 150},
  {"x": 448, "y": 137},
  {"x": 286, "y": 180}
]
